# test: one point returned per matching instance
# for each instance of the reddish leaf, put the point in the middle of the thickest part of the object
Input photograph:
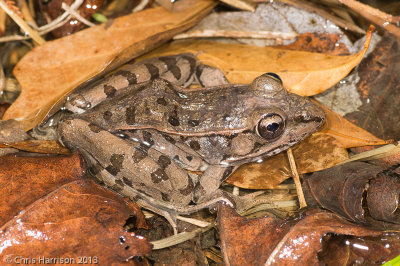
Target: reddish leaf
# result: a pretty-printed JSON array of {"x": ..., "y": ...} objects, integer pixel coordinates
[
  {"x": 266, "y": 240},
  {"x": 23, "y": 180},
  {"x": 351, "y": 250},
  {"x": 49, "y": 211}
]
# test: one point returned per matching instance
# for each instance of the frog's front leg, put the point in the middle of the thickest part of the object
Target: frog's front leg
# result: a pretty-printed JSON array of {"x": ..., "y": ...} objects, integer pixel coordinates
[
  {"x": 128, "y": 166},
  {"x": 207, "y": 189}
]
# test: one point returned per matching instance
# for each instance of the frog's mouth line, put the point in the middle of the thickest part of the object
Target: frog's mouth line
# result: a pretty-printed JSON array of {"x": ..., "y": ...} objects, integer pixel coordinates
[
  {"x": 303, "y": 119},
  {"x": 256, "y": 157}
]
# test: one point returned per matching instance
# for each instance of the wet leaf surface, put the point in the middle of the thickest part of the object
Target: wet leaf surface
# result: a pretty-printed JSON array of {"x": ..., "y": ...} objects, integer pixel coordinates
[
  {"x": 42, "y": 72},
  {"x": 271, "y": 241},
  {"x": 359, "y": 191},
  {"x": 49, "y": 209},
  {"x": 351, "y": 250},
  {"x": 303, "y": 73}
]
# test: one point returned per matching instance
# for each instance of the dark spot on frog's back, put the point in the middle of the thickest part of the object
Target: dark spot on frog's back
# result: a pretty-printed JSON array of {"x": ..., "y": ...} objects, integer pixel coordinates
[
  {"x": 165, "y": 197},
  {"x": 188, "y": 189},
  {"x": 159, "y": 175},
  {"x": 109, "y": 91},
  {"x": 162, "y": 101},
  {"x": 163, "y": 161},
  {"x": 194, "y": 145},
  {"x": 147, "y": 138},
  {"x": 193, "y": 123},
  {"x": 170, "y": 139},
  {"x": 139, "y": 154},
  {"x": 127, "y": 181},
  {"x": 107, "y": 115},
  {"x": 119, "y": 182},
  {"x": 94, "y": 128},
  {"x": 153, "y": 71},
  {"x": 130, "y": 115},
  {"x": 173, "y": 119},
  {"x": 116, "y": 161},
  {"x": 131, "y": 77}
]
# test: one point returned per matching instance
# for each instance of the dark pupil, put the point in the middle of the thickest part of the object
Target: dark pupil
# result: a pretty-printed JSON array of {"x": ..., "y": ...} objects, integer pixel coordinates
[
  {"x": 274, "y": 75},
  {"x": 273, "y": 127}
]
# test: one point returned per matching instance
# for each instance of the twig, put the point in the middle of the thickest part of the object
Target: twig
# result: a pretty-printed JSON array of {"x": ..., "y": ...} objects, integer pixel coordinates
[
  {"x": 77, "y": 15},
  {"x": 296, "y": 178},
  {"x": 309, "y": 6},
  {"x": 22, "y": 24},
  {"x": 240, "y": 4},
  {"x": 374, "y": 15},
  {"x": 140, "y": 6},
  {"x": 54, "y": 24},
  {"x": 62, "y": 17},
  {"x": 237, "y": 34}
]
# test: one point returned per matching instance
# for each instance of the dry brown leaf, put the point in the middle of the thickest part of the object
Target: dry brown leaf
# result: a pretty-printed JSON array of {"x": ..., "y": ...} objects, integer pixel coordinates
[
  {"x": 345, "y": 132},
  {"x": 38, "y": 146},
  {"x": 318, "y": 152},
  {"x": 47, "y": 209},
  {"x": 50, "y": 71},
  {"x": 303, "y": 73}
]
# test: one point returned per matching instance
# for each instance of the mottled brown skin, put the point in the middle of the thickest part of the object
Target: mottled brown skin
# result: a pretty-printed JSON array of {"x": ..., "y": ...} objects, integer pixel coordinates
[{"x": 146, "y": 138}]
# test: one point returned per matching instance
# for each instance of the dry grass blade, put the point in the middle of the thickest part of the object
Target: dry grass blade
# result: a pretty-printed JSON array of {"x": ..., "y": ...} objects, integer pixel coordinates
[
  {"x": 378, "y": 153},
  {"x": 296, "y": 179},
  {"x": 25, "y": 27},
  {"x": 179, "y": 238}
]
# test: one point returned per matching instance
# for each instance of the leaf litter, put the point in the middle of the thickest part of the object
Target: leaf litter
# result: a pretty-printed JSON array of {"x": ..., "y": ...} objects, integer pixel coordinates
[{"x": 340, "y": 139}]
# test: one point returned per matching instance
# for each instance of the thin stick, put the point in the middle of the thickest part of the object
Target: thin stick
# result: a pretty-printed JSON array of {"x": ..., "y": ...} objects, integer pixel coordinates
[
  {"x": 240, "y": 4},
  {"x": 20, "y": 22},
  {"x": 296, "y": 178},
  {"x": 76, "y": 15},
  {"x": 237, "y": 34}
]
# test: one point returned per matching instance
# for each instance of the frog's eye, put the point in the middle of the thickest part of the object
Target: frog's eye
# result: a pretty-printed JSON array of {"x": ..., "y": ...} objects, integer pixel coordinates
[
  {"x": 274, "y": 76},
  {"x": 270, "y": 126}
]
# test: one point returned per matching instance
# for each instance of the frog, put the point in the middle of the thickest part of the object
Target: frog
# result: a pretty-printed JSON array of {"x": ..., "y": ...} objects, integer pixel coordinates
[{"x": 147, "y": 135}]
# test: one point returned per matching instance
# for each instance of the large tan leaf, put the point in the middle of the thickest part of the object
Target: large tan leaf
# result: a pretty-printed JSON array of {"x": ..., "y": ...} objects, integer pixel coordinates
[
  {"x": 304, "y": 73},
  {"x": 50, "y": 71}
]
